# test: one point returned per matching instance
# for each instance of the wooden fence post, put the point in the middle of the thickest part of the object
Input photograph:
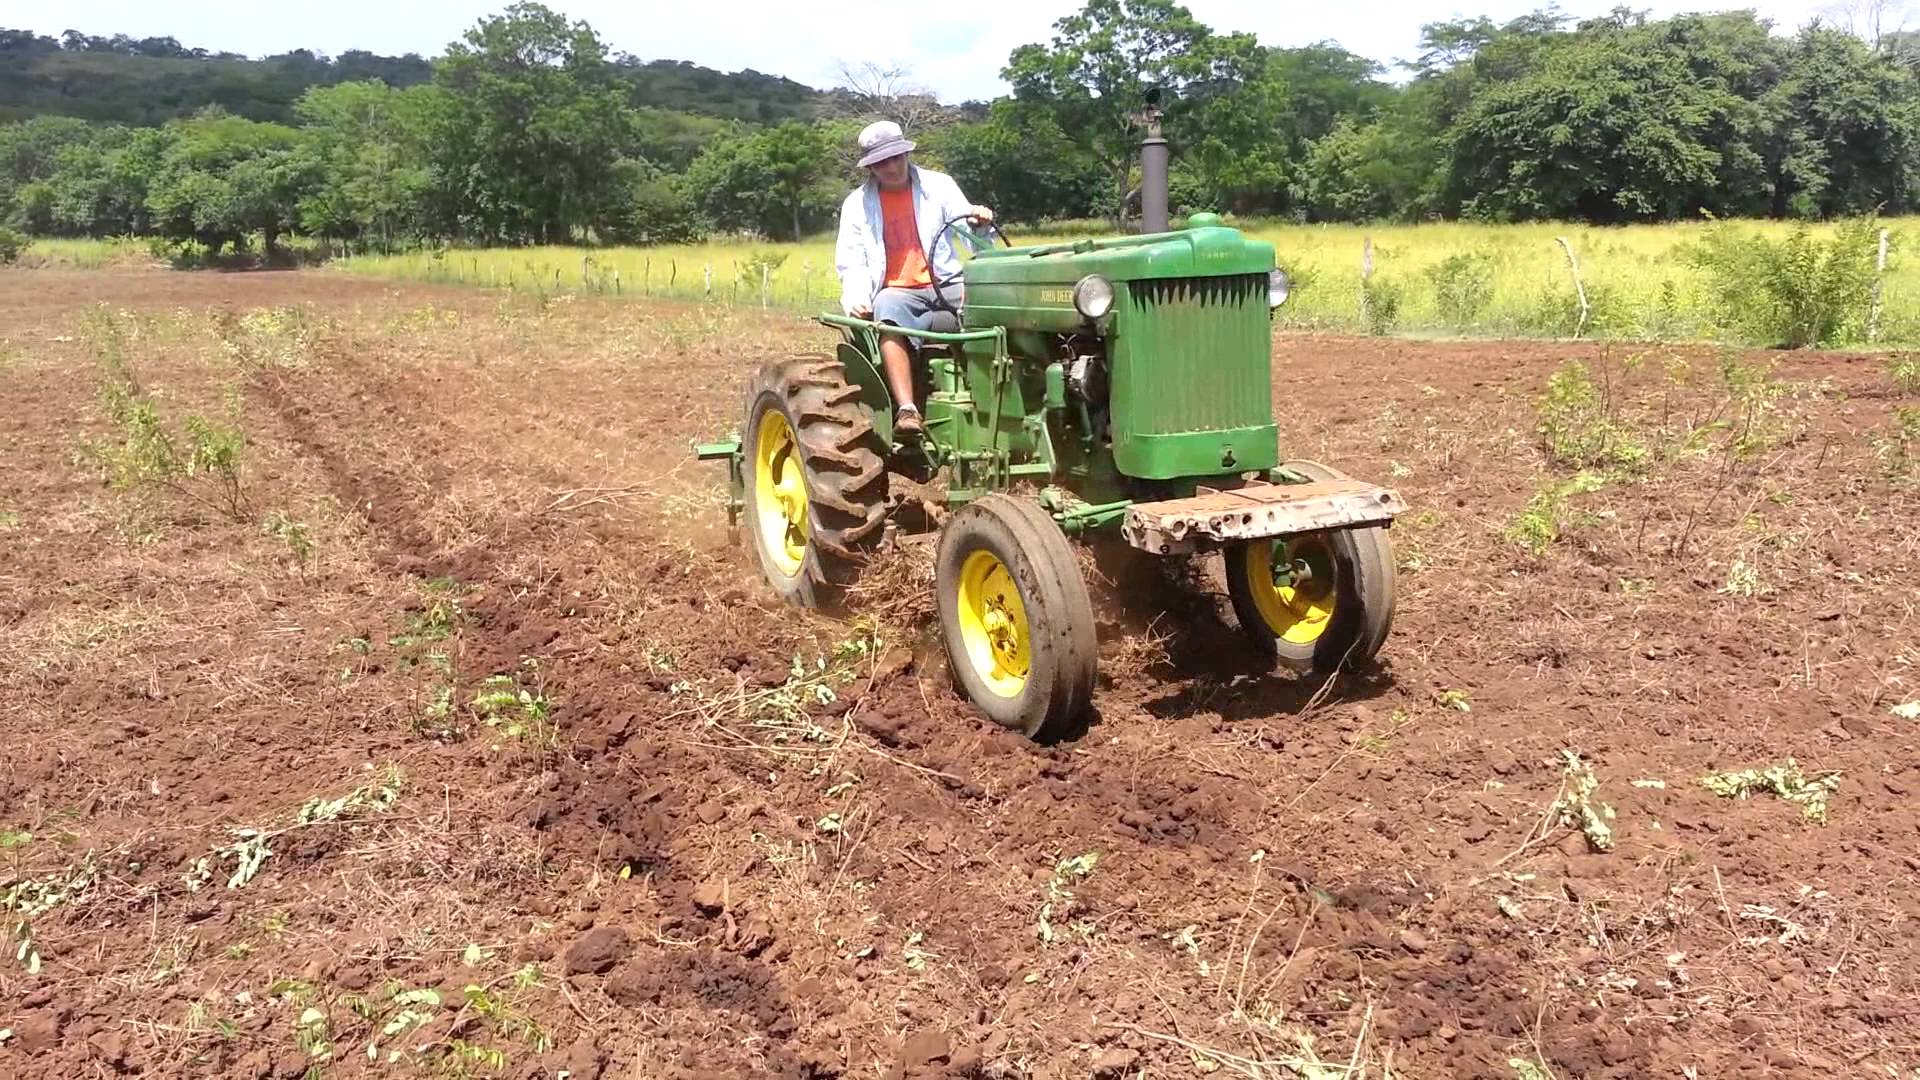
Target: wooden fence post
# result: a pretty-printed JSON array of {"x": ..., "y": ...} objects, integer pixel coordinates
[
  {"x": 1879, "y": 278},
  {"x": 616, "y": 281},
  {"x": 763, "y": 286},
  {"x": 1366, "y": 274},
  {"x": 709, "y": 281},
  {"x": 1580, "y": 289}
]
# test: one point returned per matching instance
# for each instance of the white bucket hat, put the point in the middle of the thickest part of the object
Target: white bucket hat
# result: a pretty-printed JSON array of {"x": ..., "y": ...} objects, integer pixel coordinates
[{"x": 881, "y": 140}]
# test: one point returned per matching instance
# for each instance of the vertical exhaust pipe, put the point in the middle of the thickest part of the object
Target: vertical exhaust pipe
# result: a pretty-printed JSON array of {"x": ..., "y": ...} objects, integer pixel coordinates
[{"x": 1153, "y": 169}]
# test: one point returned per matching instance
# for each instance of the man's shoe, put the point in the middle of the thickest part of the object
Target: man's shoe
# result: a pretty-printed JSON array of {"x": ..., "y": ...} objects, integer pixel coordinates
[{"x": 907, "y": 424}]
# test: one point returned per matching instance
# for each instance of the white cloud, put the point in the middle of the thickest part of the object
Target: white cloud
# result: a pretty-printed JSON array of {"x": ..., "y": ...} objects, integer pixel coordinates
[{"x": 958, "y": 49}]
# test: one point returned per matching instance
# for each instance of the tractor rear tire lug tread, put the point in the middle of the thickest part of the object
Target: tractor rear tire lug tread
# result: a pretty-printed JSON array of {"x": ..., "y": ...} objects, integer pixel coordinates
[{"x": 845, "y": 468}]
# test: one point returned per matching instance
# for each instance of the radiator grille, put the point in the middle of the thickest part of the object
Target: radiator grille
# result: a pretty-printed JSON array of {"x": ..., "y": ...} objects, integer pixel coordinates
[{"x": 1195, "y": 355}]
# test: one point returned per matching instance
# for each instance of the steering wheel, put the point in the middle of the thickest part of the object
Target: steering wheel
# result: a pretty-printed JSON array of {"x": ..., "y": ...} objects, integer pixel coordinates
[{"x": 991, "y": 229}]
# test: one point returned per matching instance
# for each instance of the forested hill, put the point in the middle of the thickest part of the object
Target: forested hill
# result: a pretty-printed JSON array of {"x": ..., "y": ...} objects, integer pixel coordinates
[
  {"x": 529, "y": 128},
  {"x": 148, "y": 81}
]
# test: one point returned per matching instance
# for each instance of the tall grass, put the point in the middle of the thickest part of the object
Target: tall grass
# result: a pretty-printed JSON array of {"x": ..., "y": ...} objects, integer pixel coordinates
[
  {"x": 1447, "y": 278},
  {"x": 96, "y": 253},
  {"x": 1438, "y": 278},
  {"x": 83, "y": 253}
]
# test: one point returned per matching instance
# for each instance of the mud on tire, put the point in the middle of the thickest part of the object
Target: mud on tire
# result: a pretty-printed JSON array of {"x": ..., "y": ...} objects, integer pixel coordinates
[{"x": 841, "y": 463}]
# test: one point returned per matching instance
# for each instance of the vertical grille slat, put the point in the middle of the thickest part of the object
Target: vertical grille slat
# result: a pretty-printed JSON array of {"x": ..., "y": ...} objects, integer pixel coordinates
[{"x": 1198, "y": 354}]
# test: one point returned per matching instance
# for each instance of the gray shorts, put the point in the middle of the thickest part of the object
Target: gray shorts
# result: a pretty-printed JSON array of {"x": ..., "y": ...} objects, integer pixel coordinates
[{"x": 915, "y": 308}]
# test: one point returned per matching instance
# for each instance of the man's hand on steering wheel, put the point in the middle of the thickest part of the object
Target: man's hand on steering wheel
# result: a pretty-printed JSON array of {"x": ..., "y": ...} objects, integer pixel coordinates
[{"x": 980, "y": 215}]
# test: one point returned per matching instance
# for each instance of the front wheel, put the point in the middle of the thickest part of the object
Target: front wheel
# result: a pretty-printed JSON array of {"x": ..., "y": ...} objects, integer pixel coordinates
[
  {"x": 1015, "y": 615},
  {"x": 1316, "y": 602}
]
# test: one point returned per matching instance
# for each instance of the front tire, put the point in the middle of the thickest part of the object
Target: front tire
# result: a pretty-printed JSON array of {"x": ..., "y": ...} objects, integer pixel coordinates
[
  {"x": 1015, "y": 615},
  {"x": 1336, "y": 614},
  {"x": 816, "y": 485}
]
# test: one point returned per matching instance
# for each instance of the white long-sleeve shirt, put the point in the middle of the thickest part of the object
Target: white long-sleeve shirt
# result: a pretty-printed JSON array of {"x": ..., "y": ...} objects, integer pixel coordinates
[{"x": 860, "y": 254}]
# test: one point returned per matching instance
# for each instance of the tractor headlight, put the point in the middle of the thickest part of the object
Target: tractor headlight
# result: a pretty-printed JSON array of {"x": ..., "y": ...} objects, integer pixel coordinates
[
  {"x": 1093, "y": 296},
  {"x": 1277, "y": 288}
]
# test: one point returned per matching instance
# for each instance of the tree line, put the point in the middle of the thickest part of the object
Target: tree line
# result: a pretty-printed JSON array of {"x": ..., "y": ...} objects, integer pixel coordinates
[{"x": 529, "y": 130}]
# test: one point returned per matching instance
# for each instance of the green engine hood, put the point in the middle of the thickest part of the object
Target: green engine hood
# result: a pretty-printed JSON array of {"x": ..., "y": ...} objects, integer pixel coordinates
[{"x": 1204, "y": 249}]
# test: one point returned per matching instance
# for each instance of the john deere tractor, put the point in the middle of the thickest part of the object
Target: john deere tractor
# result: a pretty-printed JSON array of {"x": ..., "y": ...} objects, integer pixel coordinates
[{"x": 1101, "y": 386}]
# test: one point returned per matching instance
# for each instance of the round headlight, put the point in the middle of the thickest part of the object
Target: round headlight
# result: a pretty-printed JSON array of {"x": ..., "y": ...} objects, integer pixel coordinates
[
  {"x": 1277, "y": 288},
  {"x": 1093, "y": 296}
]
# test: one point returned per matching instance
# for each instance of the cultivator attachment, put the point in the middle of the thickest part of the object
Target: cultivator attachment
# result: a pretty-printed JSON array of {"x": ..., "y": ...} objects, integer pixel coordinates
[{"x": 1214, "y": 518}]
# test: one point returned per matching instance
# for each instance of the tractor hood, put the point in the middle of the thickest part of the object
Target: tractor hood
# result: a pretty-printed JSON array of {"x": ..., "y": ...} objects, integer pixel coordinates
[{"x": 1204, "y": 248}]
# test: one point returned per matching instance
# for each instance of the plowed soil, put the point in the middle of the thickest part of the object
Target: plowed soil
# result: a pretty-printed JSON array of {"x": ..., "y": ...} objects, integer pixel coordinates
[{"x": 548, "y": 784}]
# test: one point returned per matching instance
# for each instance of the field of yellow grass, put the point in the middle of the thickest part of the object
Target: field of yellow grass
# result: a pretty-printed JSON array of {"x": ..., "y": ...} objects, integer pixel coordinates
[{"x": 1441, "y": 278}]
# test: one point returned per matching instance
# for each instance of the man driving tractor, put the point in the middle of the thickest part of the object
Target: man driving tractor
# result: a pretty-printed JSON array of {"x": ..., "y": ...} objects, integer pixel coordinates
[{"x": 889, "y": 258}]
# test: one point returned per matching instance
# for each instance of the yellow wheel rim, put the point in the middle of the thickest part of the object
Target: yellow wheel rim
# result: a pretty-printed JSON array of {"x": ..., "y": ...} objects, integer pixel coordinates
[
  {"x": 1299, "y": 611},
  {"x": 993, "y": 624},
  {"x": 780, "y": 493}
]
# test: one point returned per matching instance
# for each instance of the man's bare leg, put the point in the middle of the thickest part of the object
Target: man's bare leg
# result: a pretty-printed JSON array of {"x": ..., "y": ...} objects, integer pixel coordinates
[{"x": 897, "y": 362}]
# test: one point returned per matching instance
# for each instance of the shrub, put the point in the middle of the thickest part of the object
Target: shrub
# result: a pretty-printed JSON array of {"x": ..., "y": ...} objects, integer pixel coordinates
[
  {"x": 199, "y": 459},
  {"x": 1379, "y": 305},
  {"x": 1462, "y": 286},
  {"x": 1905, "y": 372},
  {"x": 11, "y": 244},
  {"x": 758, "y": 261},
  {"x": 1795, "y": 292},
  {"x": 1579, "y": 426},
  {"x": 655, "y": 212},
  {"x": 1547, "y": 514}
]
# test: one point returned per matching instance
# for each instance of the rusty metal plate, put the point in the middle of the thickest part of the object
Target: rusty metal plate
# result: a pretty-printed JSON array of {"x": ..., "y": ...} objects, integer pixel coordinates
[{"x": 1178, "y": 526}]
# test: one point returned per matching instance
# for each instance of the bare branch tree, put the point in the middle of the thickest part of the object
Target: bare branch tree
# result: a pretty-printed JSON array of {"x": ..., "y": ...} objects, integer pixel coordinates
[
  {"x": 873, "y": 91},
  {"x": 1879, "y": 23}
]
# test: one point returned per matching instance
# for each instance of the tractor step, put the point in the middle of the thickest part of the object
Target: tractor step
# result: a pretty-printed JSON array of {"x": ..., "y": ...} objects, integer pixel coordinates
[{"x": 1256, "y": 512}]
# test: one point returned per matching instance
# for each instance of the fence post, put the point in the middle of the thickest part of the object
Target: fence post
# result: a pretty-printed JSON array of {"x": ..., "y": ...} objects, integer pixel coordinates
[
  {"x": 616, "y": 281},
  {"x": 1573, "y": 262},
  {"x": 1879, "y": 278},
  {"x": 709, "y": 281},
  {"x": 556, "y": 279},
  {"x": 806, "y": 283},
  {"x": 646, "y": 276},
  {"x": 763, "y": 286},
  {"x": 1366, "y": 274},
  {"x": 583, "y": 272},
  {"x": 673, "y": 275}
]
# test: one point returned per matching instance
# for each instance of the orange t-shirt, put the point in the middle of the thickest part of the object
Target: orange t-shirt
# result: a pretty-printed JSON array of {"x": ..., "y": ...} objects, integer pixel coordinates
[{"x": 906, "y": 263}]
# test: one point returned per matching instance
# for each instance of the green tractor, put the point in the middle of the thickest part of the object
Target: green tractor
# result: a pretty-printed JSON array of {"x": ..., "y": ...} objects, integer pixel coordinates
[{"x": 1105, "y": 386}]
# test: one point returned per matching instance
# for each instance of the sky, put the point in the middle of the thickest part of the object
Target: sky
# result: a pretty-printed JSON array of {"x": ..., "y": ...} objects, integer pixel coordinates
[{"x": 955, "y": 48}]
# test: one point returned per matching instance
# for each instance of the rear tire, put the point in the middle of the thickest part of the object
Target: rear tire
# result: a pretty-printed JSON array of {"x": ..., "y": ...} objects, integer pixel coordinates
[
  {"x": 1015, "y": 615},
  {"x": 1319, "y": 625},
  {"x": 816, "y": 479}
]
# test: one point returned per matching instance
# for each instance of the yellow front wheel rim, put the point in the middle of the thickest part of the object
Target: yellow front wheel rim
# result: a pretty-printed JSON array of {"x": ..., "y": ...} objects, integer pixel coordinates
[
  {"x": 780, "y": 489},
  {"x": 993, "y": 624},
  {"x": 1299, "y": 611}
]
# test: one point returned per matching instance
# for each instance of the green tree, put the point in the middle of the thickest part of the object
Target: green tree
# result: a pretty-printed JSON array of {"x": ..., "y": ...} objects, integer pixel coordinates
[
  {"x": 1230, "y": 125},
  {"x": 1093, "y": 79},
  {"x": 223, "y": 177},
  {"x": 1018, "y": 162},
  {"x": 1620, "y": 121},
  {"x": 774, "y": 181},
  {"x": 1377, "y": 170},
  {"x": 1849, "y": 128},
  {"x": 531, "y": 126},
  {"x": 368, "y": 147}
]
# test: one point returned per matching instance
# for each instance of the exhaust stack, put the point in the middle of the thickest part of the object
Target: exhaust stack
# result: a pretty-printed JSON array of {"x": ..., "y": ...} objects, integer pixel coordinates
[{"x": 1153, "y": 169}]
